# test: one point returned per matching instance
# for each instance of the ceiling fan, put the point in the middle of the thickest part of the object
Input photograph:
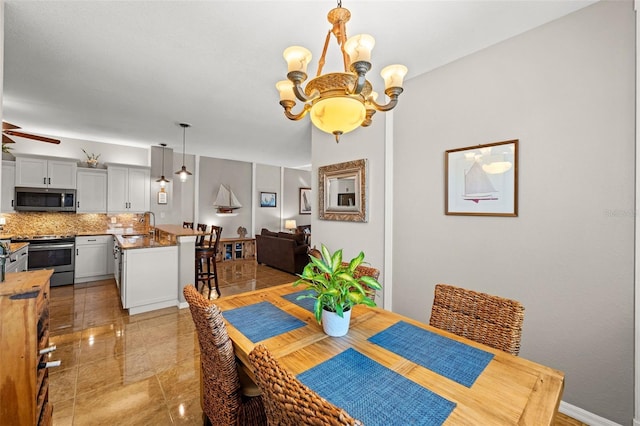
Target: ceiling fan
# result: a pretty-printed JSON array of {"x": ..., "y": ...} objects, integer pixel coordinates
[{"x": 10, "y": 129}]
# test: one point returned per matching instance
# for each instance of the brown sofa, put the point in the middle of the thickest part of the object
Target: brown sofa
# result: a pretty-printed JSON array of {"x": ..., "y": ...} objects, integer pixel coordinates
[{"x": 282, "y": 250}]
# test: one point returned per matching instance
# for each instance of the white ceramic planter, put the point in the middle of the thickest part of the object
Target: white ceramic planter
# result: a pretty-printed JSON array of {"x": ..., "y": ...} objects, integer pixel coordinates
[{"x": 334, "y": 325}]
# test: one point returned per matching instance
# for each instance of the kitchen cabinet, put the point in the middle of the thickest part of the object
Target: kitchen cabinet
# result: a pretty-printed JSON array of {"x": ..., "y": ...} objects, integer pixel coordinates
[
  {"x": 18, "y": 260},
  {"x": 42, "y": 172},
  {"x": 93, "y": 258},
  {"x": 8, "y": 185},
  {"x": 149, "y": 278},
  {"x": 128, "y": 189},
  {"x": 92, "y": 191},
  {"x": 24, "y": 315}
]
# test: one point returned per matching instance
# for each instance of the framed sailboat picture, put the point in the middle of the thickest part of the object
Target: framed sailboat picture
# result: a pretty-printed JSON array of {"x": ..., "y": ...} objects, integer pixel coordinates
[
  {"x": 305, "y": 201},
  {"x": 482, "y": 180}
]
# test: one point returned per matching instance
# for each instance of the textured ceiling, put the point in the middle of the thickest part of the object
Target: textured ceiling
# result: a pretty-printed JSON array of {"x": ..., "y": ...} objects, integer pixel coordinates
[{"x": 127, "y": 72}]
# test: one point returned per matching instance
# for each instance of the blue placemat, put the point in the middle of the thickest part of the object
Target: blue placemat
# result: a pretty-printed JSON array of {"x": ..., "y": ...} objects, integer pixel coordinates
[
  {"x": 262, "y": 321},
  {"x": 449, "y": 358},
  {"x": 375, "y": 394},
  {"x": 305, "y": 303}
]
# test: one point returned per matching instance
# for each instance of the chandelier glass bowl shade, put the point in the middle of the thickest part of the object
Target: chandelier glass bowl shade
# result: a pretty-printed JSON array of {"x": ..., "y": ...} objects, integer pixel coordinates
[
  {"x": 183, "y": 172},
  {"x": 338, "y": 102},
  {"x": 163, "y": 180}
]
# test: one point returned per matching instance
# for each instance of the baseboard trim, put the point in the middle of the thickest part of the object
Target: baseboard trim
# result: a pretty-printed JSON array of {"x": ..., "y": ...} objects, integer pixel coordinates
[{"x": 586, "y": 416}]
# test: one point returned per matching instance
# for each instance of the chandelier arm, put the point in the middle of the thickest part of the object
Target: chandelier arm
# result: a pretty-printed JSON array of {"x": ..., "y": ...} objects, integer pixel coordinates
[
  {"x": 369, "y": 118},
  {"x": 360, "y": 68},
  {"x": 287, "y": 105},
  {"x": 297, "y": 78},
  {"x": 393, "y": 93}
]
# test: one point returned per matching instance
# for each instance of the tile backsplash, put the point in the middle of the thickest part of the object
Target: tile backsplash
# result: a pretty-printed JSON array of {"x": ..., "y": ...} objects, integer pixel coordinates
[{"x": 58, "y": 223}]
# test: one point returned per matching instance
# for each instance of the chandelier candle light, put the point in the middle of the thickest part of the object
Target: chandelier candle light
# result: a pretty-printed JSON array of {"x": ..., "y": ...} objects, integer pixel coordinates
[
  {"x": 183, "y": 172},
  {"x": 342, "y": 101}
]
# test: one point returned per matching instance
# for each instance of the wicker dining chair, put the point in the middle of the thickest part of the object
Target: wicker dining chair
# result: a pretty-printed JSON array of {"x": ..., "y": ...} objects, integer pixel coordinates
[
  {"x": 287, "y": 401},
  {"x": 368, "y": 271},
  {"x": 490, "y": 320},
  {"x": 223, "y": 398}
]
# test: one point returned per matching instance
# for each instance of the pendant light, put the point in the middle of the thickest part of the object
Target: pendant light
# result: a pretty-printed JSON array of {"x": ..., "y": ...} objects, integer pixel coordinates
[
  {"x": 163, "y": 180},
  {"x": 183, "y": 172}
]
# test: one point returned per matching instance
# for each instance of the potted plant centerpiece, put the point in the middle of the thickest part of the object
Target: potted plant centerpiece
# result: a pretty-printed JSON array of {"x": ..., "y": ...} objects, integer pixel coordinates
[{"x": 336, "y": 289}]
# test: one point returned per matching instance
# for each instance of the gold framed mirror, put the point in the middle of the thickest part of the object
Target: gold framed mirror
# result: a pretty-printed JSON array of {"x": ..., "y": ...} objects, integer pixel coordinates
[{"x": 342, "y": 191}]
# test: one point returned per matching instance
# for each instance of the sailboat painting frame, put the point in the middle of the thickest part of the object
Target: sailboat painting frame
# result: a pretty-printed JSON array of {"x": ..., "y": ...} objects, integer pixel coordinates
[
  {"x": 305, "y": 201},
  {"x": 482, "y": 180}
]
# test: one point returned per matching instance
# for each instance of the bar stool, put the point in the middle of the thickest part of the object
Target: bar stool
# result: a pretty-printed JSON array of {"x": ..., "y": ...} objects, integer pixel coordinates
[
  {"x": 200, "y": 240},
  {"x": 207, "y": 253}
]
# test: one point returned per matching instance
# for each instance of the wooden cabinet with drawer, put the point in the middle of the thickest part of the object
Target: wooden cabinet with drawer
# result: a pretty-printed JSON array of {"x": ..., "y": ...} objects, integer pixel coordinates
[{"x": 24, "y": 322}]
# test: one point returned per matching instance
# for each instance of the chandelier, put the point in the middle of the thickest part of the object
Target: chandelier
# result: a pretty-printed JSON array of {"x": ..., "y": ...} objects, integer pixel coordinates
[{"x": 338, "y": 102}]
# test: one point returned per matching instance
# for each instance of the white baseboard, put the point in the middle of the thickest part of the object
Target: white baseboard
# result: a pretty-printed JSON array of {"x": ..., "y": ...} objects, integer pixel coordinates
[{"x": 585, "y": 416}]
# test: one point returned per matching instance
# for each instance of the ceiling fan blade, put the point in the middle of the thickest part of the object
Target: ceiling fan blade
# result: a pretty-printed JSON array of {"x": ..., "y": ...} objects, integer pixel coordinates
[
  {"x": 7, "y": 139},
  {"x": 9, "y": 126},
  {"x": 34, "y": 137}
]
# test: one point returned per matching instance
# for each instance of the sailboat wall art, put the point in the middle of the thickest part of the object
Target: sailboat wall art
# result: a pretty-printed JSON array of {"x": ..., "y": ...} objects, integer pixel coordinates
[
  {"x": 226, "y": 202},
  {"x": 482, "y": 180}
]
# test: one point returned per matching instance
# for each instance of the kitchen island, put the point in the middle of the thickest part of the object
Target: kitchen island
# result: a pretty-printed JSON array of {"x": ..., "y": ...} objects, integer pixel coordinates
[
  {"x": 151, "y": 269},
  {"x": 186, "y": 240},
  {"x": 146, "y": 272}
]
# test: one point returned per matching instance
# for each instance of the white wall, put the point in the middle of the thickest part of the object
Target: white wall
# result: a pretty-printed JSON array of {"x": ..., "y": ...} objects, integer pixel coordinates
[
  {"x": 72, "y": 148},
  {"x": 267, "y": 180},
  {"x": 237, "y": 176},
  {"x": 566, "y": 91},
  {"x": 294, "y": 179},
  {"x": 353, "y": 237}
]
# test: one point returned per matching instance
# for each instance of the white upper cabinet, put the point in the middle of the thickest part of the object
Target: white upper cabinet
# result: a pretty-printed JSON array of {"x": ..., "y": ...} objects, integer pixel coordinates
[
  {"x": 128, "y": 189},
  {"x": 8, "y": 185},
  {"x": 92, "y": 191},
  {"x": 40, "y": 172}
]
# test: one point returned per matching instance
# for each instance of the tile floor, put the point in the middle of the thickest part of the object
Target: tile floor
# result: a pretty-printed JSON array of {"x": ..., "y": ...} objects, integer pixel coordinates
[{"x": 132, "y": 370}]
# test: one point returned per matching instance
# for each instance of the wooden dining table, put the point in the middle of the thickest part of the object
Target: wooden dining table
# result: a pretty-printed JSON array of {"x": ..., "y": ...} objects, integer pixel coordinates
[{"x": 472, "y": 384}]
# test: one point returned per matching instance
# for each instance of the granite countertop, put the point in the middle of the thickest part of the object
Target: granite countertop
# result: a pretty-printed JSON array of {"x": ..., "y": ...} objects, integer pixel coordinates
[
  {"x": 142, "y": 241},
  {"x": 179, "y": 231},
  {"x": 14, "y": 247}
]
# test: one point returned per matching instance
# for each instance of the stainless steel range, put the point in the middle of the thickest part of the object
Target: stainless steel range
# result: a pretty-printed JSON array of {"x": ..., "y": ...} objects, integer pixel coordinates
[{"x": 55, "y": 252}]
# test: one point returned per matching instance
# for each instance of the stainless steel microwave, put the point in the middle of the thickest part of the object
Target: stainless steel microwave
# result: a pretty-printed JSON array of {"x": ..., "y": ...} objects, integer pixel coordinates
[{"x": 45, "y": 199}]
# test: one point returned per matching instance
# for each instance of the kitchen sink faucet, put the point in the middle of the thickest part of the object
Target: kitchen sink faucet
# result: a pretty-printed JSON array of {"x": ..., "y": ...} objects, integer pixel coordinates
[{"x": 152, "y": 215}]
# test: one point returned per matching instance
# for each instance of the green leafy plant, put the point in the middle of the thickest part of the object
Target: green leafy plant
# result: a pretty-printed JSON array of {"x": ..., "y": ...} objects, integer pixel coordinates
[
  {"x": 334, "y": 285},
  {"x": 92, "y": 156},
  {"x": 6, "y": 148}
]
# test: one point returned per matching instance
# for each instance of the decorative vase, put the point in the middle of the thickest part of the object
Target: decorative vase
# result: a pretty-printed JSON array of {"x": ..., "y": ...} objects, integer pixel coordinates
[
  {"x": 334, "y": 325},
  {"x": 92, "y": 163}
]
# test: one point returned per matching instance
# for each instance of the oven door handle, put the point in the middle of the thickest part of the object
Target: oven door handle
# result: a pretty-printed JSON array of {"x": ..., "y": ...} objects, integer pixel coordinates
[{"x": 40, "y": 247}]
